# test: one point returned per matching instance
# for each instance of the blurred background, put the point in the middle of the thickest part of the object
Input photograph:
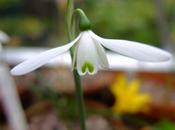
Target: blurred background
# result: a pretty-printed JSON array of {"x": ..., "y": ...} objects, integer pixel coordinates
[{"x": 132, "y": 96}]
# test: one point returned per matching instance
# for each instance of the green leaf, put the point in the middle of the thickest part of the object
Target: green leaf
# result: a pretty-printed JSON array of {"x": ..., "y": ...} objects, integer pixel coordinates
[{"x": 164, "y": 125}]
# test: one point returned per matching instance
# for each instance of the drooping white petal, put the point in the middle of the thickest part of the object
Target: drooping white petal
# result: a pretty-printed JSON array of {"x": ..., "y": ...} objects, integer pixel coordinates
[
  {"x": 87, "y": 57},
  {"x": 134, "y": 50},
  {"x": 102, "y": 55},
  {"x": 41, "y": 59}
]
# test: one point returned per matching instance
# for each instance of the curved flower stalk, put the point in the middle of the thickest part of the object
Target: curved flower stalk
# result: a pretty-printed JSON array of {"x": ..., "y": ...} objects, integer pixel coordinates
[{"x": 89, "y": 54}]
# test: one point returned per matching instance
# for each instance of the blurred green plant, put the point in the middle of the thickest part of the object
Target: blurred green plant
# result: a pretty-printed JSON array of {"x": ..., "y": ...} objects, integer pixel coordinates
[
  {"x": 65, "y": 105},
  {"x": 5, "y": 4},
  {"x": 31, "y": 31},
  {"x": 133, "y": 20},
  {"x": 164, "y": 125},
  {"x": 22, "y": 25}
]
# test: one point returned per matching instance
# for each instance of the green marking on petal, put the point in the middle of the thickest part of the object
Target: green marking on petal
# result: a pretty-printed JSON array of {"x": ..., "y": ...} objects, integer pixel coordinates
[{"x": 87, "y": 65}]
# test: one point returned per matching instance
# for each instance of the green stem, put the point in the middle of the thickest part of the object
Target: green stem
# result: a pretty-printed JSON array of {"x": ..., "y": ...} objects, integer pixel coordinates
[
  {"x": 80, "y": 99},
  {"x": 77, "y": 79},
  {"x": 69, "y": 13}
]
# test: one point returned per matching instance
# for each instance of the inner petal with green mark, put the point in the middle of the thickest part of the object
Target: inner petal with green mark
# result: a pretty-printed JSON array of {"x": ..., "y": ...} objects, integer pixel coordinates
[{"x": 87, "y": 66}]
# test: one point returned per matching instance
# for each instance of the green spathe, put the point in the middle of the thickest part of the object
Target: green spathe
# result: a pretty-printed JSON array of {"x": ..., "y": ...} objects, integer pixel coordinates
[{"x": 84, "y": 23}]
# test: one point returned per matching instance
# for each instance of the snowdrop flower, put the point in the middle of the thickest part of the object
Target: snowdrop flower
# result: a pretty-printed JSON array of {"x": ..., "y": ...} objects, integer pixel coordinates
[{"x": 89, "y": 54}]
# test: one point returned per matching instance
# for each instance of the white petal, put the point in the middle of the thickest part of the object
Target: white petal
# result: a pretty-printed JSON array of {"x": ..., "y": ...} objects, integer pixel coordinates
[
  {"x": 134, "y": 50},
  {"x": 41, "y": 59},
  {"x": 86, "y": 55},
  {"x": 102, "y": 55}
]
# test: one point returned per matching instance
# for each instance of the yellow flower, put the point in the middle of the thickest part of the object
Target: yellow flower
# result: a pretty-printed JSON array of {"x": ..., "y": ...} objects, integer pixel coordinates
[{"x": 128, "y": 97}]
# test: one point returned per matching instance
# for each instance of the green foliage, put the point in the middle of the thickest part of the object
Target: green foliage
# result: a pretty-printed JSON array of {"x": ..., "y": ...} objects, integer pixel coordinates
[
  {"x": 125, "y": 19},
  {"x": 4, "y": 4},
  {"x": 164, "y": 125},
  {"x": 66, "y": 106},
  {"x": 22, "y": 25},
  {"x": 29, "y": 30}
]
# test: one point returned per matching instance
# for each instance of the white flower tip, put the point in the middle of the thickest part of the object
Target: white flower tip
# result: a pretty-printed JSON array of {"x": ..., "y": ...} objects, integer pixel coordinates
[
  {"x": 164, "y": 56},
  {"x": 16, "y": 72},
  {"x": 169, "y": 56},
  {"x": 13, "y": 72},
  {"x": 22, "y": 69}
]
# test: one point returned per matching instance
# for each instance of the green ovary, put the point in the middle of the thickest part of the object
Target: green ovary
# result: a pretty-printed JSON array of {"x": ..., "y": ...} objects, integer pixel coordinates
[{"x": 87, "y": 65}]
